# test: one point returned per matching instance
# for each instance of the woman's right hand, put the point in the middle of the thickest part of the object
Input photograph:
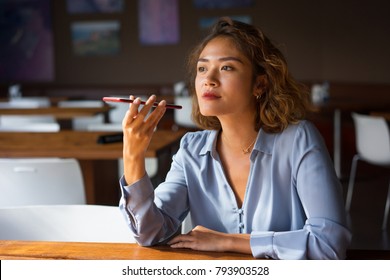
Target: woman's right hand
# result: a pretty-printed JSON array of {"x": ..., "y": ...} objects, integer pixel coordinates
[{"x": 138, "y": 128}]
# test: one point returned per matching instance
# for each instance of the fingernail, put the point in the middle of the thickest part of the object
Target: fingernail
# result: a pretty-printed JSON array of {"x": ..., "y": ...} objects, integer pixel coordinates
[{"x": 149, "y": 99}]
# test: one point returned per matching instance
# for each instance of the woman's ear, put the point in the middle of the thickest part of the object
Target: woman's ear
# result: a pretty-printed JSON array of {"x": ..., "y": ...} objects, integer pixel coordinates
[{"x": 261, "y": 85}]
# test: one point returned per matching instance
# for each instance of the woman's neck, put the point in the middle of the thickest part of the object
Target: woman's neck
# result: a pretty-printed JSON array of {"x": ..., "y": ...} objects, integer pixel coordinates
[{"x": 238, "y": 135}]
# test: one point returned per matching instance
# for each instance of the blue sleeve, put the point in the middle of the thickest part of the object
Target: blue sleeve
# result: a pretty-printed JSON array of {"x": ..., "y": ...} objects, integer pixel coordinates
[
  {"x": 319, "y": 239},
  {"x": 155, "y": 215}
]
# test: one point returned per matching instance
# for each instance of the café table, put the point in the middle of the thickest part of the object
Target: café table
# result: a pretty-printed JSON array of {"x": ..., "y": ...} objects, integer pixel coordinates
[
  {"x": 45, "y": 250},
  {"x": 35, "y": 250},
  {"x": 384, "y": 114},
  {"x": 83, "y": 146}
]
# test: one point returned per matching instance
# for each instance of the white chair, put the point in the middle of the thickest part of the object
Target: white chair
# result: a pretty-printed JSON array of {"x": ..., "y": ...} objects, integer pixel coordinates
[
  {"x": 40, "y": 180},
  {"x": 96, "y": 123},
  {"x": 30, "y": 127},
  {"x": 68, "y": 223},
  {"x": 81, "y": 123},
  {"x": 31, "y": 122},
  {"x": 119, "y": 109},
  {"x": 32, "y": 181},
  {"x": 26, "y": 102},
  {"x": 182, "y": 117},
  {"x": 116, "y": 114},
  {"x": 373, "y": 146},
  {"x": 109, "y": 127}
]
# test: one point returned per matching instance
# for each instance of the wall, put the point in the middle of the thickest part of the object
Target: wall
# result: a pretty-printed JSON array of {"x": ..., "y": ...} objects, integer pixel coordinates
[
  {"x": 343, "y": 42},
  {"x": 340, "y": 41}
]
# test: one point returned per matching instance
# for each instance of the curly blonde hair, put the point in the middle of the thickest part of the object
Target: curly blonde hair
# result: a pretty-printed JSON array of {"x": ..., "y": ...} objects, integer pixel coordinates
[{"x": 284, "y": 100}]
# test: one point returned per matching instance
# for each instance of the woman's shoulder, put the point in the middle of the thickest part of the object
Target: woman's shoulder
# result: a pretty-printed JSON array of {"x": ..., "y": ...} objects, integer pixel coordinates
[
  {"x": 198, "y": 139},
  {"x": 196, "y": 136},
  {"x": 303, "y": 126},
  {"x": 303, "y": 132}
]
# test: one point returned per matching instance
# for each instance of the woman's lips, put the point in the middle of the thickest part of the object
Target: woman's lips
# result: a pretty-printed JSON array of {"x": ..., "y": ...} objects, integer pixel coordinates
[{"x": 210, "y": 96}]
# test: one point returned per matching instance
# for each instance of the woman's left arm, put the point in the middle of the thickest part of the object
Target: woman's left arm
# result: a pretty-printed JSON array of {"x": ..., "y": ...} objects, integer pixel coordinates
[{"x": 325, "y": 234}]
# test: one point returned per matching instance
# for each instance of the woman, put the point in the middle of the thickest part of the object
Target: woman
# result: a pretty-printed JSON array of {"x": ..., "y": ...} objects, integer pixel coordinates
[{"x": 258, "y": 179}]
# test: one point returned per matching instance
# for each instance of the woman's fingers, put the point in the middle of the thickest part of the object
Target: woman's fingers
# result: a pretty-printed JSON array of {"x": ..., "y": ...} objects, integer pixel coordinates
[
  {"x": 200, "y": 238},
  {"x": 182, "y": 241},
  {"x": 132, "y": 113},
  {"x": 157, "y": 114},
  {"x": 144, "y": 111},
  {"x": 142, "y": 117}
]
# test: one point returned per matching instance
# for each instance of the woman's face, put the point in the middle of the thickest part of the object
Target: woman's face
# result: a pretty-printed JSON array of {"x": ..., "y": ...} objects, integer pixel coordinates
[{"x": 224, "y": 80}]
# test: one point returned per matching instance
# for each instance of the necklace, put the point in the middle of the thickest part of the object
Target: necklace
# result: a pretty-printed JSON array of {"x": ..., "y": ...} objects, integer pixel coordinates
[
  {"x": 244, "y": 150},
  {"x": 249, "y": 148}
]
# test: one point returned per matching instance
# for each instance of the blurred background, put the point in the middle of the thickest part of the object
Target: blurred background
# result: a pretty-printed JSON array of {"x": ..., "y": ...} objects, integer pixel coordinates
[{"x": 72, "y": 50}]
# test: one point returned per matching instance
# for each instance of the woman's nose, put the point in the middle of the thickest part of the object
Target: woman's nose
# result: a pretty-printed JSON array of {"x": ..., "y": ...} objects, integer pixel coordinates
[{"x": 211, "y": 80}]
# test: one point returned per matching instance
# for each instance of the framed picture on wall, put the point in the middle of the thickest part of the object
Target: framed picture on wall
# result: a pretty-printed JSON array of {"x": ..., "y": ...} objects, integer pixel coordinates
[
  {"x": 94, "y": 6},
  {"x": 158, "y": 22},
  {"x": 95, "y": 37},
  {"x": 26, "y": 41}
]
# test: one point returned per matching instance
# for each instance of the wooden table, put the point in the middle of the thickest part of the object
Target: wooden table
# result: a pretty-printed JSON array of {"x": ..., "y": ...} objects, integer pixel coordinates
[
  {"x": 384, "y": 114},
  {"x": 77, "y": 144},
  {"x": 43, "y": 250},
  {"x": 104, "y": 251},
  {"x": 83, "y": 146}
]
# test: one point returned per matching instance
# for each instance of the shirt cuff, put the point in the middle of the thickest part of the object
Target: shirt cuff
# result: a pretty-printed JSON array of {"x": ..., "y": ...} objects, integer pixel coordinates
[
  {"x": 139, "y": 191},
  {"x": 262, "y": 244}
]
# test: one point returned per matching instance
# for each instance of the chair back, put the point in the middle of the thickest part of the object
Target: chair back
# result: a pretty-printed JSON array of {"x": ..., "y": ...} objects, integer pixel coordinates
[
  {"x": 81, "y": 123},
  {"x": 33, "y": 181},
  {"x": 70, "y": 223},
  {"x": 30, "y": 127},
  {"x": 107, "y": 127},
  {"x": 30, "y": 122},
  {"x": 372, "y": 138},
  {"x": 116, "y": 114},
  {"x": 182, "y": 117},
  {"x": 29, "y": 102}
]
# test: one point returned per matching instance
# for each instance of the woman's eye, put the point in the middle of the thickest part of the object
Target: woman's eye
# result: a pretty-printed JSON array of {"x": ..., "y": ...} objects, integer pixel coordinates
[
  {"x": 227, "y": 68},
  {"x": 201, "y": 69}
]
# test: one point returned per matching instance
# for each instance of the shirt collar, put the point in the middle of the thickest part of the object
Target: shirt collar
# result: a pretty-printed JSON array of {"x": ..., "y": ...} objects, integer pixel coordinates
[
  {"x": 211, "y": 143},
  {"x": 264, "y": 143}
]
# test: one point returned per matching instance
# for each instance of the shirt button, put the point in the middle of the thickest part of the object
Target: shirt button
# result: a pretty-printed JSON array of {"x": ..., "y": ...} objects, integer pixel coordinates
[
  {"x": 241, "y": 225},
  {"x": 240, "y": 211}
]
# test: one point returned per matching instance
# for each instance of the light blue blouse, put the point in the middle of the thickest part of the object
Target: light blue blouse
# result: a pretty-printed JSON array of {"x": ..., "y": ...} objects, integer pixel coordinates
[{"x": 293, "y": 206}]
